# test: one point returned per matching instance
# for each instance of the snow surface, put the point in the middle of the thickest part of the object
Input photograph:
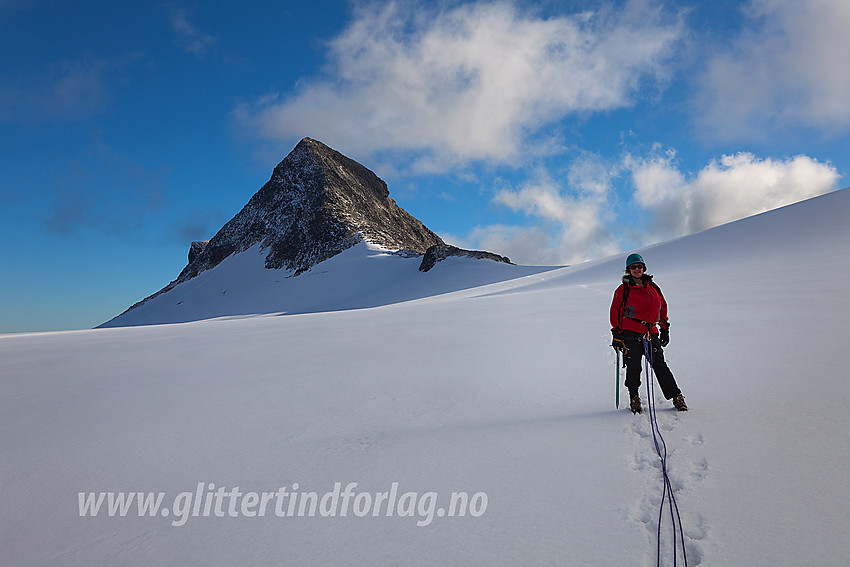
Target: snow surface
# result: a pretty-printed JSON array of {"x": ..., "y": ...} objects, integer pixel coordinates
[
  {"x": 505, "y": 389},
  {"x": 365, "y": 275}
]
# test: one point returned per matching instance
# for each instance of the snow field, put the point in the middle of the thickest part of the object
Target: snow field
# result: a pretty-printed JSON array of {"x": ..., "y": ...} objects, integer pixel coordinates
[{"x": 506, "y": 389}]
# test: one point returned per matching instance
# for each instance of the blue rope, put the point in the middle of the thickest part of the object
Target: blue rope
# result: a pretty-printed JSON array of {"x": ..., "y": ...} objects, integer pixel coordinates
[{"x": 661, "y": 450}]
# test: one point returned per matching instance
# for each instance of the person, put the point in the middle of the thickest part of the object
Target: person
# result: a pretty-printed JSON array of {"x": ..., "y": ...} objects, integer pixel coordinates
[{"x": 639, "y": 310}]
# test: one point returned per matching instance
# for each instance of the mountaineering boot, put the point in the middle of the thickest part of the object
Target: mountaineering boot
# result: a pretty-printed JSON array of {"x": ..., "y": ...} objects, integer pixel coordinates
[
  {"x": 679, "y": 403},
  {"x": 635, "y": 405}
]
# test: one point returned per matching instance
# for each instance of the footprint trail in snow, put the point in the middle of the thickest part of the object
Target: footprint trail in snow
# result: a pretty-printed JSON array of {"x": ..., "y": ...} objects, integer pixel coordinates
[{"x": 687, "y": 467}]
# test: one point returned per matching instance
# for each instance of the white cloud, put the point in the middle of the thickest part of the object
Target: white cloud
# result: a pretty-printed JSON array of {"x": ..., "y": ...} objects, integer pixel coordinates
[
  {"x": 728, "y": 189},
  {"x": 78, "y": 91},
  {"x": 788, "y": 68},
  {"x": 188, "y": 36},
  {"x": 578, "y": 215},
  {"x": 472, "y": 82},
  {"x": 522, "y": 245},
  {"x": 578, "y": 221}
]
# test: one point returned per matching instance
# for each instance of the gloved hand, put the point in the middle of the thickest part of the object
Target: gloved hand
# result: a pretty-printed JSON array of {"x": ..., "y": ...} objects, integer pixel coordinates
[
  {"x": 664, "y": 339},
  {"x": 618, "y": 343}
]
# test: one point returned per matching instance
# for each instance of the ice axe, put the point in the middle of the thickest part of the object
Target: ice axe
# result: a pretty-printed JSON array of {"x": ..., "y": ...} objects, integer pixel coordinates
[{"x": 617, "y": 397}]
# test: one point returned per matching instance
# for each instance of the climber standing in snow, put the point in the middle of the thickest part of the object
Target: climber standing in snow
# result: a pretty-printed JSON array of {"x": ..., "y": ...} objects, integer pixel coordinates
[{"x": 639, "y": 310}]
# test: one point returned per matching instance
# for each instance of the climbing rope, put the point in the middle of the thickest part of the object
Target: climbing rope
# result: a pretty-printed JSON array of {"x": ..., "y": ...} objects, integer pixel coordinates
[{"x": 661, "y": 450}]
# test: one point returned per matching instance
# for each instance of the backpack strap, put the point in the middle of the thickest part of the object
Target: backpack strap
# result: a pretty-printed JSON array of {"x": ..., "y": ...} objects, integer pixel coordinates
[{"x": 622, "y": 311}]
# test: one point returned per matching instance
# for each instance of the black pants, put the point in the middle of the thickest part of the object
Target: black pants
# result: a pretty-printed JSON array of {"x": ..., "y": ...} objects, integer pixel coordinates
[{"x": 634, "y": 358}]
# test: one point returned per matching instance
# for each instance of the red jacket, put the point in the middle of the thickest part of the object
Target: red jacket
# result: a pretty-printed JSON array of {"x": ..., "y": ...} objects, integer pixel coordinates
[{"x": 644, "y": 304}]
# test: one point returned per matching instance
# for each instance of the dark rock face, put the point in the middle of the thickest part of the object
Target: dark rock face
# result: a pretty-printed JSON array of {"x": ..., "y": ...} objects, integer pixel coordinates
[
  {"x": 316, "y": 204},
  {"x": 196, "y": 248},
  {"x": 440, "y": 252}
]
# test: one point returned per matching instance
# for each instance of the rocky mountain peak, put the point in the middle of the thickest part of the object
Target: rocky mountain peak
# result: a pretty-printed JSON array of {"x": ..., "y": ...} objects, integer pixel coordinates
[{"x": 317, "y": 203}]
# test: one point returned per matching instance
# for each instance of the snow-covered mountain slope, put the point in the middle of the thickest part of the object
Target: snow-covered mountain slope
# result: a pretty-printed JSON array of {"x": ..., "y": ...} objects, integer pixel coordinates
[
  {"x": 504, "y": 391},
  {"x": 365, "y": 275}
]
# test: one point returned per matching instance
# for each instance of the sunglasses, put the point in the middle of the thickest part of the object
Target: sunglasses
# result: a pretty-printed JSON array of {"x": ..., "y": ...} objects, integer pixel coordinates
[{"x": 636, "y": 266}]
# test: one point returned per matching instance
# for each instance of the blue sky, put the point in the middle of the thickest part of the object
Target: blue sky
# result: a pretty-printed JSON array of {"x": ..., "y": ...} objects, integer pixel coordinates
[{"x": 551, "y": 132}]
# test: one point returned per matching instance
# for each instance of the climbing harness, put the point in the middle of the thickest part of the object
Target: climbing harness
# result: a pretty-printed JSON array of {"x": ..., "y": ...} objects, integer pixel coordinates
[{"x": 661, "y": 450}]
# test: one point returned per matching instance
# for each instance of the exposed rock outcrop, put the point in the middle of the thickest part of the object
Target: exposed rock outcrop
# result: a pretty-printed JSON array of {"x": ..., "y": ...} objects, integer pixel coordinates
[
  {"x": 440, "y": 252},
  {"x": 196, "y": 249}
]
